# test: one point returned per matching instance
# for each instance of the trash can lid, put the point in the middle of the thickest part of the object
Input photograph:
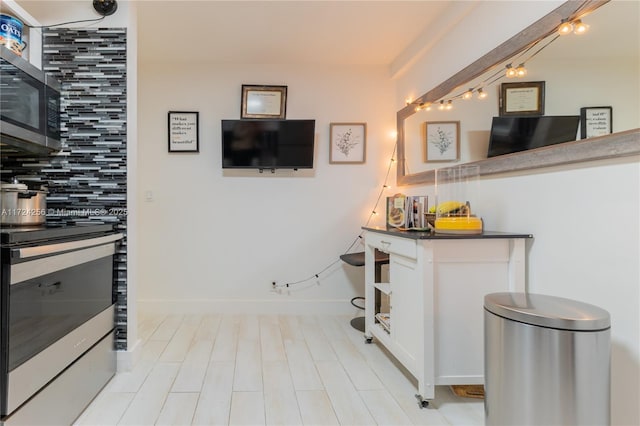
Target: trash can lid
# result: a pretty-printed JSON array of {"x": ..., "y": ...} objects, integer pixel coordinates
[{"x": 548, "y": 311}]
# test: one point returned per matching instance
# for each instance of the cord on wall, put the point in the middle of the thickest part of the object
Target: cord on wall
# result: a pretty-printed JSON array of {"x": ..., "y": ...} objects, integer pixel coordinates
[
  {"x": 373, "y": 213},
  {"x": 103, "y": 7}
]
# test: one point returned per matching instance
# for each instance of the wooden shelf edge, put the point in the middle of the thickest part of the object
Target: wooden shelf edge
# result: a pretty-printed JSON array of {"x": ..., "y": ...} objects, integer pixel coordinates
[{"x": 615, "y": 145}]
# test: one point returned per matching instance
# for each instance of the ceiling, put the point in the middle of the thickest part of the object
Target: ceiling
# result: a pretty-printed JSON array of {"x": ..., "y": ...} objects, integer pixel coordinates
[
  {"x": 264, "y": 32},
  {"x": 363, "y": 32}
]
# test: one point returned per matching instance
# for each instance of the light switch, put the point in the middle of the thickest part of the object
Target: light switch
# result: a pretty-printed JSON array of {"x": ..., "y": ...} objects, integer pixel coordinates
[{"x": 148, "y": 195}]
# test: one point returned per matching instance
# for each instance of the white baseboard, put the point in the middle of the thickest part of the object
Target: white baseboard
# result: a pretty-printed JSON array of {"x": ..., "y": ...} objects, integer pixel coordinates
[
  {"x": 237, "y": 306},
  {"x": 128, "y": 358}
]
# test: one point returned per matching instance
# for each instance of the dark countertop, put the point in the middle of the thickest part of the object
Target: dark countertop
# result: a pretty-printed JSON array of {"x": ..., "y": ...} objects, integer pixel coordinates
[
  {"x": 48, "y": 232},
  {"x": 427, "y": 235}
]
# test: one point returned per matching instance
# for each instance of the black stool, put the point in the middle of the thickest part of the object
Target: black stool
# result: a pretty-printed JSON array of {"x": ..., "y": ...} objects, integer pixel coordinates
[{"x": 357, "y": 259}]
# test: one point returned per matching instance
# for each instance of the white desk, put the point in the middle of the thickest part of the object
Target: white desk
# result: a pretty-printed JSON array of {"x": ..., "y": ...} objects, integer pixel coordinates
[{"x": 435, "y": 299}]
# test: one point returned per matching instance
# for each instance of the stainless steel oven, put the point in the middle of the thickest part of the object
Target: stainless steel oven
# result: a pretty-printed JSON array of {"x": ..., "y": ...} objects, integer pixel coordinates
[{"x": 57, "y": 305}]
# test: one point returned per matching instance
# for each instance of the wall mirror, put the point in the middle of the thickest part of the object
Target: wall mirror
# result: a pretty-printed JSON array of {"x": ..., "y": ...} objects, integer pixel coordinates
[{"x": 578, "y": 71}]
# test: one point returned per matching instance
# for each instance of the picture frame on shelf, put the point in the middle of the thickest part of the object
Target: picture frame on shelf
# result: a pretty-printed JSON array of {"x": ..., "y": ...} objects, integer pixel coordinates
[
  {"x": 525, "y": 98},
  {"x": 183, "y": 131},
  {"x": 442, "y": 141},
  {"x": 264, "y": 101},
  {"x": 596, "y": 121},
  {"x": 348, "y": 143}
]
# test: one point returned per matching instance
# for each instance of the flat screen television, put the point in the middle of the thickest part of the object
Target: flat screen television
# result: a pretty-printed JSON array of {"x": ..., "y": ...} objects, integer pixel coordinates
[
  {"x": 268, "y": 144},
  {"x": 513, "y": 134}
]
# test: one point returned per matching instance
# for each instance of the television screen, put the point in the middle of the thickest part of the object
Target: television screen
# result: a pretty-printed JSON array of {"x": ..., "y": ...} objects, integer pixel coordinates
[
  {"x": 513, "y": 134},
  {"x": 268, "y": 144}
]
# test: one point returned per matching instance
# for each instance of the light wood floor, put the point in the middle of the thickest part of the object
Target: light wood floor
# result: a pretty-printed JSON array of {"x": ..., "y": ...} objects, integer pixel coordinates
[{"x": 267, "y": 370}]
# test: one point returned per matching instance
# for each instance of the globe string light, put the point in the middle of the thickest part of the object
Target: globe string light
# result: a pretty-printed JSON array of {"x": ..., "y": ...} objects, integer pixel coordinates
[{"x": 519, "y": 71}]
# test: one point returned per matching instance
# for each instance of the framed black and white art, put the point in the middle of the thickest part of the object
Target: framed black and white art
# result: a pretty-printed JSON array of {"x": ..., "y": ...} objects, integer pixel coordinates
[
  {"x": 183, "y": 131},
  {"x": 442, "y": 141},
  {"x": 348, "y": 143},
  {"x": 596, "y": 121}
]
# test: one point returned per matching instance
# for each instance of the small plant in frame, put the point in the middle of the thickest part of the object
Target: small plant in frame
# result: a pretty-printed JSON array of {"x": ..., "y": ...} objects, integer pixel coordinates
[
  {"x": 442, "y": 141},
  {"x": 348, "y": 142}
]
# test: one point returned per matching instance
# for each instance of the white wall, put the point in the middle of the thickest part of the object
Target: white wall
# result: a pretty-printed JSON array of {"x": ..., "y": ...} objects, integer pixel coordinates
[
  {"x": 584, "y": 218},
  {"x": 483, "y": 28},
  {"x": 213, "y": 240},
  {"x": 125, "y": 362}
]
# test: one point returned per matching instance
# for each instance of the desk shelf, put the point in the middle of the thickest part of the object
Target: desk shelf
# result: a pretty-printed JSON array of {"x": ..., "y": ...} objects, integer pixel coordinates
[
  {"x": 435, "y": 293},
  {"x": 384, "y": 288}
]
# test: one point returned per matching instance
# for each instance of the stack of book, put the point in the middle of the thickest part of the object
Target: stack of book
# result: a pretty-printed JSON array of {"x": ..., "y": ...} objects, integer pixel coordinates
[
  {"x": 384, "y": 319},
  {"x": 407, "y": 212}
]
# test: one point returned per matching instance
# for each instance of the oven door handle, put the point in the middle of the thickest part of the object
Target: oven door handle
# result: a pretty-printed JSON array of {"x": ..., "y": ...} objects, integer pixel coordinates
[{"x": 27, "y": 252}]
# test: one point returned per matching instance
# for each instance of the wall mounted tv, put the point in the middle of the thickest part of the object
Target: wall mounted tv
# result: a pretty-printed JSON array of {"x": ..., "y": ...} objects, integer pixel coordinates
[
  {"x": 268, "y": 144},
  {"x": 513, "y": 134}
]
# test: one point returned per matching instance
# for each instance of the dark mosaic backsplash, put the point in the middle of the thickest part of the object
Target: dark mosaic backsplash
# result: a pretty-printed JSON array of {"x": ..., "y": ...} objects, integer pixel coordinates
[{"x": 87, "y": 179}]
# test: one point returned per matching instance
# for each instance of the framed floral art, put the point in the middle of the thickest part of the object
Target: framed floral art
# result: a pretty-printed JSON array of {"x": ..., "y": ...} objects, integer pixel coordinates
[
  {"x": 442, "y": 141},
  {"x": 348, "y": 143}
]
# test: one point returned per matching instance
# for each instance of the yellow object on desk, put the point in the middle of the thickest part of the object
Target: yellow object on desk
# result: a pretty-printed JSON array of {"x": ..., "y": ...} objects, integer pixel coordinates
[
  {"x": 447, "y": 207},
  {"x": 458, "y": 225}
]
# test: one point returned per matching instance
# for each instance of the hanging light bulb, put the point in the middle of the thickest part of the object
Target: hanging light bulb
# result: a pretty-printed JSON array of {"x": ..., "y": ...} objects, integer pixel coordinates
[
  {"x": 511, "y": 72},
  {"x": 580, "y": 27},
  {"x": 481, "y": 94},
  {"x": 441, "y": 106},
  {"x": 565, "y": 27},
  {"x": 468, "y": 94},
  {"x": 449, "y": 105},
  {"x": 424, "y": 105},
  {"x": 521, "y": 71}
]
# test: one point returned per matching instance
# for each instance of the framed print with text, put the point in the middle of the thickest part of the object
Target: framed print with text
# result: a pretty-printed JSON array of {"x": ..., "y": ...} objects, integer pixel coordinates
[
  {"x": 264, "y": 101},
  {"x": 183, "y": 131},
  {"x": 596, "y": 121},
  {"x": 522, "y": 98}
]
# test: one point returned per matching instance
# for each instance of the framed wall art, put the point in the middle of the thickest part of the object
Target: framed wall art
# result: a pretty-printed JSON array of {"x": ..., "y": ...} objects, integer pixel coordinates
[
  {"x": 183, "y": 131},
  {"x": 442, "y": 141},
  {"x": 522, "y": 98},
  {"x": 264, "y": 101},
  {"x": 348, "y": 143},
  {"x": 596, "y": 121}
]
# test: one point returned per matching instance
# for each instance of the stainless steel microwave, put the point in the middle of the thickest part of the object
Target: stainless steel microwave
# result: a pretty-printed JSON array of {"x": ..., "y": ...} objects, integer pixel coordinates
[{"x": 29, "y": 106}]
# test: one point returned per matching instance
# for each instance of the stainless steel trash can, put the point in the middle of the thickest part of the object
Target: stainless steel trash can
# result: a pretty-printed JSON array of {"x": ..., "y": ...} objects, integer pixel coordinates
[{"x": 546, "y": 361}]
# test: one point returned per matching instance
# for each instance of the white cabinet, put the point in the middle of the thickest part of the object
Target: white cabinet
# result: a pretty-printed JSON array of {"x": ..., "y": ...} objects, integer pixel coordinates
[{"x": 435, "y": 294}]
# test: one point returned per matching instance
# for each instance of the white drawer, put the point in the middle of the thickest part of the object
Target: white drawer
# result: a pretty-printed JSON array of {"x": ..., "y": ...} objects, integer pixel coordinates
[
  {"x": 473, "y": 251},
  {"x": 390, "y": 244}
]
